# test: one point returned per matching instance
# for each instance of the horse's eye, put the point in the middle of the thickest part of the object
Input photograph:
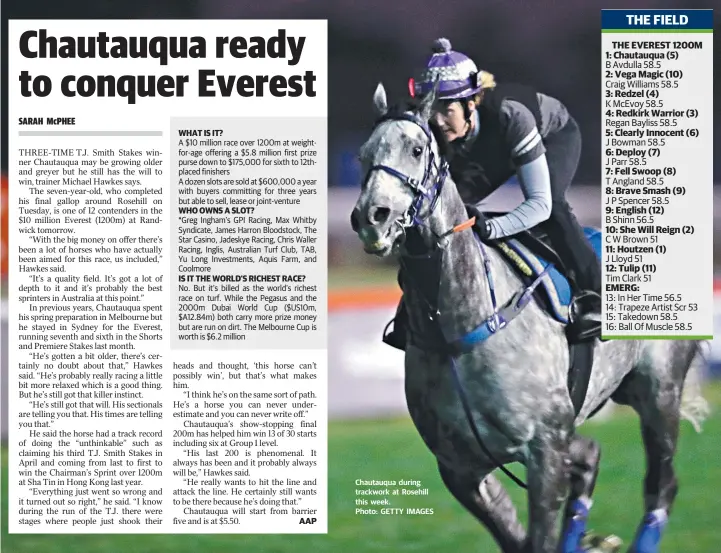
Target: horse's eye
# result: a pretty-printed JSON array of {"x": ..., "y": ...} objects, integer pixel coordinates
[{"x": 417, "y": 151}]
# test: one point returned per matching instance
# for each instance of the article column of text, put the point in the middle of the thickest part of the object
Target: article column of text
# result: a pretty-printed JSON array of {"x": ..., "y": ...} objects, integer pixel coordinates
[{"x": 87, "y": 397}]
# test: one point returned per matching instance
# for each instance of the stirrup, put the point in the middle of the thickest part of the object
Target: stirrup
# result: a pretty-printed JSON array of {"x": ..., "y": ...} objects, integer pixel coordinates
[
  {"x": 393, "y": 338},
  {"x": 579, "y": 332},
  {"x": 577, "y": 299},
  {"x": 580, "y": 329}
]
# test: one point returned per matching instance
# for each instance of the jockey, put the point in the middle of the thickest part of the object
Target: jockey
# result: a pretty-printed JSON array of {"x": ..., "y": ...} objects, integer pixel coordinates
[{"x": 495, "y": 131}]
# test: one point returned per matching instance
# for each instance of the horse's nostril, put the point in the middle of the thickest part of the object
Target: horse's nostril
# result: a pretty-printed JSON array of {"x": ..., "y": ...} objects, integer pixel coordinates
[
  {"x": 354, "y": 220},
  {"x": 378, "y": 215}
]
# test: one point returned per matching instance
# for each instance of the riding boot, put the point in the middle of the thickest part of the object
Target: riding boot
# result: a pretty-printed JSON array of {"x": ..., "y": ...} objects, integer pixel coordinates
[
  {"x": 397, "y": 337},
  {"x": 583, "y": 270}
]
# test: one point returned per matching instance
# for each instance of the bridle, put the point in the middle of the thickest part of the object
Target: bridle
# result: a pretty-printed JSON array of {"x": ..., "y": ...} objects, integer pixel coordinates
[{"x": 422, "y": 191}]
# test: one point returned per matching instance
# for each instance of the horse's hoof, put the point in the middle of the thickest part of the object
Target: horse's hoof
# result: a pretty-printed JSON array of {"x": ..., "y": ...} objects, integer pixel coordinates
[
  {"x": 596, "y": 543},
  {"x": 648, "y": 536}
]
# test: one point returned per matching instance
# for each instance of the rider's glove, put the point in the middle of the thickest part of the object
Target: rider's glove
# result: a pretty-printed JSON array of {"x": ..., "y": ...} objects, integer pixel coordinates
[{"x": 481, "y": 224}]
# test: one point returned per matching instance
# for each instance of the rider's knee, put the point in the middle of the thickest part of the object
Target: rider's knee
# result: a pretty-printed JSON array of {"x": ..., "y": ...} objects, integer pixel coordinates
[{"x": 560, "y": 206}]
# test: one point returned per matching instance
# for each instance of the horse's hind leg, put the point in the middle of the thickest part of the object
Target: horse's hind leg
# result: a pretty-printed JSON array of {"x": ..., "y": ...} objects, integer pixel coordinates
[
  {"x": 584, "y": 455},
  {"x": 655, "y": 393},
  {"x": 489, "y": 502},
  {"x": 548, "y": 481}
]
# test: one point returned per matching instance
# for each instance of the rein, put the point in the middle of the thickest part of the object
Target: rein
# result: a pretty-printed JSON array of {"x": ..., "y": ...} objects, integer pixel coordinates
[{"x": 500, "y": 317}]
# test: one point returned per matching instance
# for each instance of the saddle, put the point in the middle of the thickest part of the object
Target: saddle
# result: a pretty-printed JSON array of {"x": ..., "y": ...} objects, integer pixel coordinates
[{"x": 530, "y": 253}]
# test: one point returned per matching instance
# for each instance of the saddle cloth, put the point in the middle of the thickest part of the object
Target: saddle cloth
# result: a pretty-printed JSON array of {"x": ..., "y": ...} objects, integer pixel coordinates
[{"x": 554, "y": 290}]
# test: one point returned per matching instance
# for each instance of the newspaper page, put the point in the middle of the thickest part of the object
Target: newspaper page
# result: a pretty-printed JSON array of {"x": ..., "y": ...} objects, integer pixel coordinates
[
  {"x": 208, "y": 215},
  {"x": 168, "y": 276}
]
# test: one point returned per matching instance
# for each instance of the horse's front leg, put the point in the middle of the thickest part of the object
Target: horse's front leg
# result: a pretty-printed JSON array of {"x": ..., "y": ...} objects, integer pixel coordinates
[
  {"x": 585, "y": 456},
  {"x": 548, "y": 484}
]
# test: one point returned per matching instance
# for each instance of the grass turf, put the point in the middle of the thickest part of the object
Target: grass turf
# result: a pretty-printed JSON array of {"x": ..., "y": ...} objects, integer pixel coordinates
[{"x": 392, "y": 450}]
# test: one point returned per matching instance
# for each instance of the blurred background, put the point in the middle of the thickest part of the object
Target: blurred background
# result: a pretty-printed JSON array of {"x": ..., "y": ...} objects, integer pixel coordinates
[{"x": 552, "y": 44}]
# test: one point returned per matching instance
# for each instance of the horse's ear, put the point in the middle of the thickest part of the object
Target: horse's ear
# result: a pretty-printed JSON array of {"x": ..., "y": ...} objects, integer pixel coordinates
[
  {"x": 380, "y": 102},
  {"x": 426, "y": 107}
]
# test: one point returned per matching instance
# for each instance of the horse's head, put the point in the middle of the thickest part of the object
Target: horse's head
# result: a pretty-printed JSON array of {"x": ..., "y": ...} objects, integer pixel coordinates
[{"x": 402, "y": 164}]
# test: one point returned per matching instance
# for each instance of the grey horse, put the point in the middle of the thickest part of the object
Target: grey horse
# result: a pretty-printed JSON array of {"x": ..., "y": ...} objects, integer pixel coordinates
[{"x": 505, "y": 399}]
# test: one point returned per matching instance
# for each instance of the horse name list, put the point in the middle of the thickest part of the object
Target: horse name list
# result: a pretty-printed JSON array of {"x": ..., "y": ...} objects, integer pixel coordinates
[{"x": 657, "y": 174}]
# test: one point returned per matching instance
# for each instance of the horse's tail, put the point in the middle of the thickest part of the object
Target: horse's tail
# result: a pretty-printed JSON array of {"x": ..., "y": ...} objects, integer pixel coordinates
[{"x": 694, "y": 408}]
